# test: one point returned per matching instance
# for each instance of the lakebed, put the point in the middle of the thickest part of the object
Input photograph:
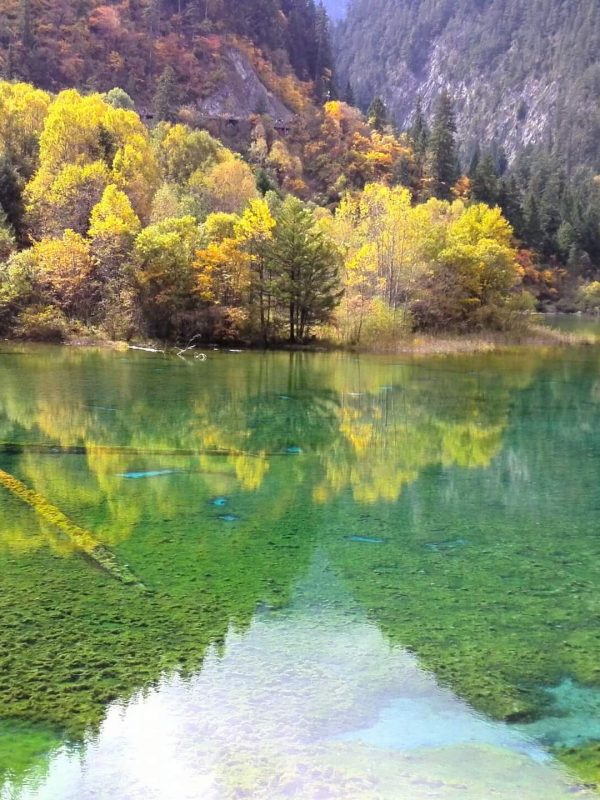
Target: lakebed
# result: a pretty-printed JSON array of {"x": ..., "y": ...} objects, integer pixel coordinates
[{"x": 345, "y": 575}]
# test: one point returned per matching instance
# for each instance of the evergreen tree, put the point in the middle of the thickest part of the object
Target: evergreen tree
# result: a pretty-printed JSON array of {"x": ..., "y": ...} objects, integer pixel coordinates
[
  {"x": 419, "y": 131},
  {"x": 301, "y": 36},
  {"x": 153, "y": 13},
  {"x": 24, "y": 52},
  {"x": 10, "y": 195},
  {"x": 7, "y": 237},
  {"x": 323, "y": 72},
  {"x": 305, "y": 266},
  {"x": 166, "y": 96},
  {"x": 474, "y": 163},
  {"x": 26, "y": 38},
  {"x": 511, "y": 203},
  {"x": 442, "y": 162},
  {"x": 377, "y": 114},
  {"x": 349, "y": 95},
  {"x": 485, "y": 183},
  {"x": 532, "y": 225}
]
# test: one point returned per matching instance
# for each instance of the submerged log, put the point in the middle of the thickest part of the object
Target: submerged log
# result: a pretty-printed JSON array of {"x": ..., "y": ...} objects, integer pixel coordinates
[
  {"x": 83, "y": 541},
  {"x": 17, "y": 448}
]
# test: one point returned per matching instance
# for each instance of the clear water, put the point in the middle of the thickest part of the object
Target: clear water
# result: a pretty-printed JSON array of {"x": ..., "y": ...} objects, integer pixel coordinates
[
  {"x": 586, "y": 324},
  {"x": 299, "y": 576}
]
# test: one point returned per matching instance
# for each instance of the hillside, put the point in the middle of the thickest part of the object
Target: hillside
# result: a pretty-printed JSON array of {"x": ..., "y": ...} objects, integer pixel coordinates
[
  {"x": 204, "y": 45},
  {"x": 521, "y": 71}
]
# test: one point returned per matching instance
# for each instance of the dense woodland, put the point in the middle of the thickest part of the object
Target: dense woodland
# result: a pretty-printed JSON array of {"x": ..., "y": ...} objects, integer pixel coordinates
[
  {"x": 120, "y": 216},
  {"x": 525, "y": 81}
]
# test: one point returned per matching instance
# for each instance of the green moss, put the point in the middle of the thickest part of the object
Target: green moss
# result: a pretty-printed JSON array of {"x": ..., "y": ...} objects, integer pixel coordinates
[{"x": 495, "y": 452}]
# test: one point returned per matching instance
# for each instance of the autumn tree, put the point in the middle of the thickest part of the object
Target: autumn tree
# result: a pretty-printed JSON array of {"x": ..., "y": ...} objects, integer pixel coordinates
[
  {"x": 383, "y": 238},
  {"x": 65, "y": 268},
  {"x": 113, "y": 228},
  {"x": 254, "y": 234},
  {"x": 474, "y": 270},
  {"x": 227, "y": 187},
  {"x": 163, "y": 256}
]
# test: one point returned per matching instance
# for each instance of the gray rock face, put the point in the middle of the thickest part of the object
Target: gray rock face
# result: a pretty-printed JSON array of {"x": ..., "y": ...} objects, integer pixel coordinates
[
  {"x": 241, "y": 93},
  {"x": 520, "y": 72}
]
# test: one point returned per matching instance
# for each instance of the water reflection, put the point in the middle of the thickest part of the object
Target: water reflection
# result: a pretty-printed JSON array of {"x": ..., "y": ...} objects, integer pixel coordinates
[
  {"x": 456, "y": 502},
  {"x": 310, "y": 702}
]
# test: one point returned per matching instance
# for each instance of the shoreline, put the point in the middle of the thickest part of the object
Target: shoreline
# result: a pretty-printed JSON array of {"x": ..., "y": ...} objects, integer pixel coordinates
[{"x": 535, "y": 336}]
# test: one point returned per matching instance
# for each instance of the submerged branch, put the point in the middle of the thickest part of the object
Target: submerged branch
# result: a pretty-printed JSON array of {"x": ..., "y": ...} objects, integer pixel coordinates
[
  {"x": 82, "y": 540},
  {"x": 16, "y": 448}
]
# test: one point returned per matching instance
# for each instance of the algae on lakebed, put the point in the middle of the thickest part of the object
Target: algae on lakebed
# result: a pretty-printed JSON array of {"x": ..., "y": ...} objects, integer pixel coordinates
[{"x": 398, "y": 462}]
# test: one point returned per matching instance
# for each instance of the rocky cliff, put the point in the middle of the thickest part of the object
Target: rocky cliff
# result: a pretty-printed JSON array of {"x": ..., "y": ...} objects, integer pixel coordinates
[{"x": 521, "y": 71}]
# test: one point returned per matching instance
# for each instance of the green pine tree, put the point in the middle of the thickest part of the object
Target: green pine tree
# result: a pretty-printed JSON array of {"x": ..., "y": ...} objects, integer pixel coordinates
[
  {"x": 166, "y": 96},
  {"x": 485, "y": 183},
  {"x": 11, "y": 200},
  {"x": 419, "y": 131},
  {"x": 442, "y": 161},
  {"x": 7, "y": 237},
  {"x": 349, "y": 97},
  {"x": 305, "y": 269},
  {"x": 378, "y": 114},
  {"x": 324, "y": 70},
  {"x": 532, "y": 225}
]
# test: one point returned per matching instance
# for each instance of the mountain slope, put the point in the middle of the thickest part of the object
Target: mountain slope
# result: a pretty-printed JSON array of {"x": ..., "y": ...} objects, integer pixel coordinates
[
  {"x": 521, "y": 71},
  {"x": 100, "y": 44}
]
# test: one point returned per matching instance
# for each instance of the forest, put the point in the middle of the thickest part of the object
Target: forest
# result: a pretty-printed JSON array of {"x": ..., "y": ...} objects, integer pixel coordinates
[
  {"x": 523, "y": 72},
  {"x": 166, "y": 233},
  {"x": 122, "y": 217}
]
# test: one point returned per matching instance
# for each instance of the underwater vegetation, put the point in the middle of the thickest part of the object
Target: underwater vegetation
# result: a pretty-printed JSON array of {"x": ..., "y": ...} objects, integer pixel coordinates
[
  {"x": 472, "y": 492},
  {"x": 83, "y": 540}
]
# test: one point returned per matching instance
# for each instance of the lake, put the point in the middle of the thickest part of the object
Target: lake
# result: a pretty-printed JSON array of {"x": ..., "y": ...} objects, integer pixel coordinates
[{"x": 293, "y": 575}]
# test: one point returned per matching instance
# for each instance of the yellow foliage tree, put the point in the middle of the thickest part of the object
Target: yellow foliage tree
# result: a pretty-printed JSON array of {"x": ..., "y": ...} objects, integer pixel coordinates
[
  {"x": 23, "y": 110},
  {"x": 113, "y": 217},
  {"x": 229, "y": 186},
  {"x": 56, "y": 203},
  {"x": 66, "y": 267}
]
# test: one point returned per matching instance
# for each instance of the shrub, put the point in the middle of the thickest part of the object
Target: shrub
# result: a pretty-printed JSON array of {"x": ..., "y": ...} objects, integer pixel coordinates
[
  {"x": 42, "y": 324},
  {"x": 588, "y": 297}
]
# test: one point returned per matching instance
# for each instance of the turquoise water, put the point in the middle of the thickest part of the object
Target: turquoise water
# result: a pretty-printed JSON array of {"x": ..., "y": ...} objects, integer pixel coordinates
[{"x": 351, "y": 577}]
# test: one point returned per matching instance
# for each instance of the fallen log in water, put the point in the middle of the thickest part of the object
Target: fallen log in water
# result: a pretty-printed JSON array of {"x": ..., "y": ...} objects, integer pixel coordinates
[
  {"x": 83, "y": 541},
  {"x": 16, "y": 448}
]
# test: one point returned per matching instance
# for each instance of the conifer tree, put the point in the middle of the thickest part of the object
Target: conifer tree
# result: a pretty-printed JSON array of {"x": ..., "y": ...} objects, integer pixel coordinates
[
  {"x": 532, "y": 225},
  {"x": 485, "y": 184},
  {"x": 323, "y": 73},
  {"x": 419, "y": 131},
  {"x": 349, "y": 95},
  {"x": 10, "y": 195},
  {"x": 442, "y": 161},
  {"x": 511, "y": 203},
  {"x": 377, "y": 114},
  {"x": 166, "y": 96},
  {"x": 7, "y": 237},
  {"x": 305, "y": 269},
  {"x": 301, "y": 38}
]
